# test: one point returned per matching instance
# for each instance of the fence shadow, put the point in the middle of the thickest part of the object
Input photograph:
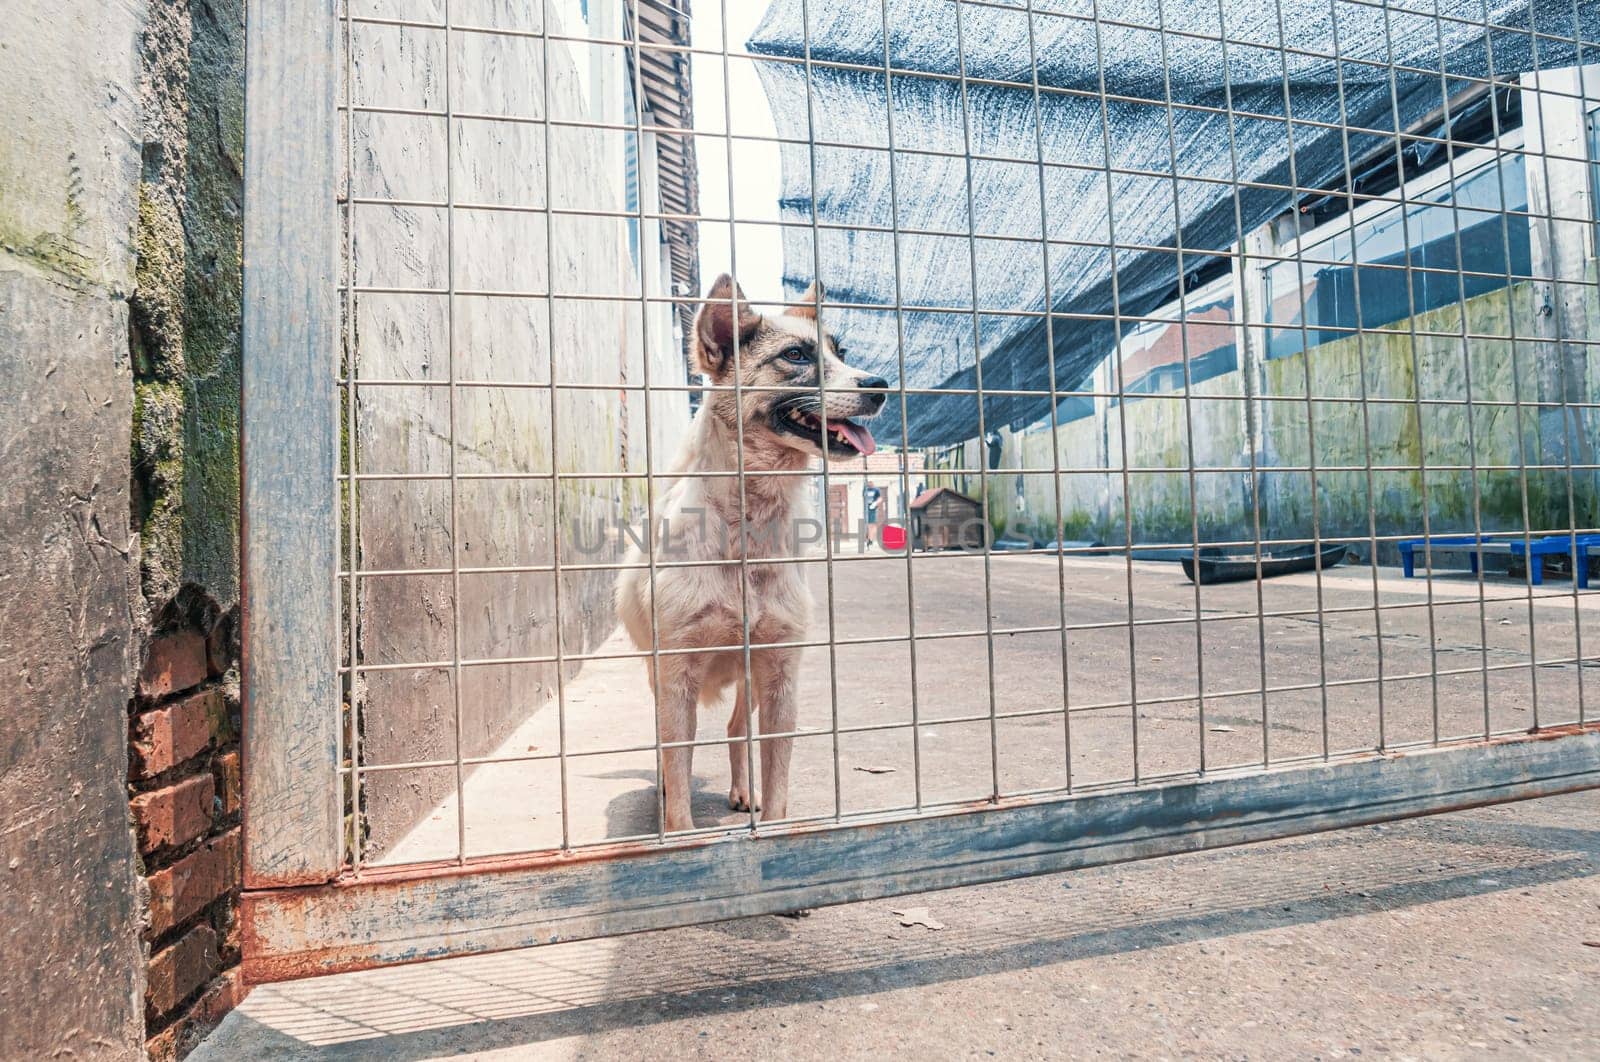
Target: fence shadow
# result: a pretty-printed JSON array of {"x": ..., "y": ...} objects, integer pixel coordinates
[{"x": 536, "y": 995}]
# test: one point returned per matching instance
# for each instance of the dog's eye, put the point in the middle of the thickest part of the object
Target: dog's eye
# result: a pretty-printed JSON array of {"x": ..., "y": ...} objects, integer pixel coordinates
[
  {"x": 796, "y": 355},
  {"x": 840, "y": 352}
]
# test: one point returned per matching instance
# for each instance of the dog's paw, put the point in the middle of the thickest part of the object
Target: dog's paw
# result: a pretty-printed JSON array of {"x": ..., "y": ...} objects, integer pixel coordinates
[{"x": 742, "y": 800}]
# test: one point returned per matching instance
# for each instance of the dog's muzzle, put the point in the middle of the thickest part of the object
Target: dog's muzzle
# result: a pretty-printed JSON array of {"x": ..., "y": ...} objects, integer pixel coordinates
[{"x": 836, "y": 436}]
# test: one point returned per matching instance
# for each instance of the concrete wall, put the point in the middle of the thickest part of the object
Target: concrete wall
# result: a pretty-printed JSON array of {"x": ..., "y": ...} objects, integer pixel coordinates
[
  {"x": 121, "y": 149},
  {"x": 69, "y": 171},
  {"x": 408, "y": 715},
  {"x": 1395, "y": 431}
]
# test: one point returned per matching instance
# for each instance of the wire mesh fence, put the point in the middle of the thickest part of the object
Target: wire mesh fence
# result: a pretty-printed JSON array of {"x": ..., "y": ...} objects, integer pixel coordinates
[{"x": 1241, "y": 353}]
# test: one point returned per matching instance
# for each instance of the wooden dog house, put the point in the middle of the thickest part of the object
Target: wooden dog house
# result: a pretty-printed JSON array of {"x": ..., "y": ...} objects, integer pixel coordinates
[{"x": 945, "y": 519}]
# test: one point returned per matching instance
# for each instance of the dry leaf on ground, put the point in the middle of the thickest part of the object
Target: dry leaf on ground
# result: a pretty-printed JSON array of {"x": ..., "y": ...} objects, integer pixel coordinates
[{"x": 918, "y": 916}]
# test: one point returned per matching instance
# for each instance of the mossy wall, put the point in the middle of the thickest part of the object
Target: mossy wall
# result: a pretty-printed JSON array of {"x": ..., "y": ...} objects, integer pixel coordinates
[
  {"x": 1416, "y": 413},
  {"x": 186, "y": 302}
]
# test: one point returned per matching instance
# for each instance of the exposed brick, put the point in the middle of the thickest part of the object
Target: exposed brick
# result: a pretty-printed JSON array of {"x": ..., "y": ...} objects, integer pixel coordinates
[
  {"x": 165, "y": 737},
  {"x": 178, "y": 1039},
  {"x": 174, "y": 661},
  {"x": 229, "y": 788},
  {"x": 176, "y": 972},
  {"x": 174, "y": 815},
  {"x": 217, "y": 647},
  {"x": 193, "y": 882}
]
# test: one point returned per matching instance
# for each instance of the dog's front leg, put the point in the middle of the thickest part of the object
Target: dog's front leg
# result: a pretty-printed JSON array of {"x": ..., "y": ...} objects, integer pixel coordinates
[
  {"x": 775, "y": 672},
  {"x": 742, "y": 794},
  {"x": 676, "y": 697}
]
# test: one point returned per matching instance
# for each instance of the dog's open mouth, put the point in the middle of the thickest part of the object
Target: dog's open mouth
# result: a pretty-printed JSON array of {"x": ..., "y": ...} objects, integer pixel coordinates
[{"x": 844, "y": 437}]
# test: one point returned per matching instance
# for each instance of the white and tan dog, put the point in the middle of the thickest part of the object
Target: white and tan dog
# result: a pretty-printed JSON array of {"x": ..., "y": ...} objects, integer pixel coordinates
[{"x": 778, "y": 422}]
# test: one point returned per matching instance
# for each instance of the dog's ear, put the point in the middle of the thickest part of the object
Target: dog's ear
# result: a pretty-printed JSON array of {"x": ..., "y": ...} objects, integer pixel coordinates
[
  {"x": 807, "y": 306},
  {"x": 725, "y": 315}
]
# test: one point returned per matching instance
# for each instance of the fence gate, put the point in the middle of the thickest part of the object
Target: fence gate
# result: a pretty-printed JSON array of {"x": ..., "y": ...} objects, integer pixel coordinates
[{"x": 1261, "y": 333}]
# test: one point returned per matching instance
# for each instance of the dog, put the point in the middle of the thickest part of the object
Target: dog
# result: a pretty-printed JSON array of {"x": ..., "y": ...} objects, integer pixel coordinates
[{"x": 783, "y": 423}]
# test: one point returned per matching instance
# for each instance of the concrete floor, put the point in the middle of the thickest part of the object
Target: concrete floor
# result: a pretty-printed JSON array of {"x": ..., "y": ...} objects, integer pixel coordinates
[
  {"x": 1461, "y": 936},
  {"x": 884, "y": 763},
  {"x": 1451, "y": 937}
]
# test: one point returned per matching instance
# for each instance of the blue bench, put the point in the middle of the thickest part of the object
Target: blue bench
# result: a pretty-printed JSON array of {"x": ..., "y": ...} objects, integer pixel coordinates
[
  {"x": 1476, "y": 545},
  {"x": 1580, "y": 563}
]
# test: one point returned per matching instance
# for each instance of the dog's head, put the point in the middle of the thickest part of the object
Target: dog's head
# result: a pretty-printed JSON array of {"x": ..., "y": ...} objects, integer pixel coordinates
[{"x": 801, "y": 395}]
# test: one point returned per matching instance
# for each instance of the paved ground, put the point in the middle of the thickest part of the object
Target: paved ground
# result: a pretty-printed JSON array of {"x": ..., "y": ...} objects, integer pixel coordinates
[
  {"x": 1452, "y": 937},
  {"x": 1455, "y": 937},
  {"x": 886, "y": 763}
]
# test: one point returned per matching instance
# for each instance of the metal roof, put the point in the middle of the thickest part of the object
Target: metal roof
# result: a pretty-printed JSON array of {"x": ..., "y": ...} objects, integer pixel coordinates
[
  {"x": 663, "y": 28},
  {"x": 927, "y": 497}
]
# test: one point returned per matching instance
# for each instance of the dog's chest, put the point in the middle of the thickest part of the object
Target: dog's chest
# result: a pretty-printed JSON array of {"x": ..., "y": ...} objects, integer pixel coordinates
[
  {"x": 773, "y": 597},
  {"x": 709, "y": 604}
]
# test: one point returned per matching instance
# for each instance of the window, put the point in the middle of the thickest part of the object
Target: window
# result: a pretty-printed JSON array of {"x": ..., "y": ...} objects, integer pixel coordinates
[
  {"x": 1153, "y": 352},
  {"x": 1075, "y": 407},
  {"x": 1415, "y": 242},
  {"x": 630, "y": 170}
]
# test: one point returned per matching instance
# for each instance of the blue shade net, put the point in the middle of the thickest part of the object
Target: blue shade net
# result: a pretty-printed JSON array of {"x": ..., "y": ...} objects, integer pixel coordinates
[{"x": 1300, "y": 119}]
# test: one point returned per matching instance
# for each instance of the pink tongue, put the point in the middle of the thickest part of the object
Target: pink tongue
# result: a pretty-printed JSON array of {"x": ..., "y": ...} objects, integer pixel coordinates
[{"x": 859, "y": 437}]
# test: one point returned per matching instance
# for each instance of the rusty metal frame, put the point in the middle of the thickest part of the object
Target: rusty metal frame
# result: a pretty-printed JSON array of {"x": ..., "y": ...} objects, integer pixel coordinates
[{"x": 416, "y": 913}]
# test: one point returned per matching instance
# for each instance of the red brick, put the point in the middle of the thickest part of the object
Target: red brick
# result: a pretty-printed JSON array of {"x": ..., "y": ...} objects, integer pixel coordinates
[
  {"x": 178, "y": 1039},
  {"x": 175, "y": 815},
  {"x": 176, "y": 972},
  {"x": 165, "y": 737},
  {"x": 229, "y": 788},
  {"x": 173, "y": 662},
  {"x": 193, "y": 882}
]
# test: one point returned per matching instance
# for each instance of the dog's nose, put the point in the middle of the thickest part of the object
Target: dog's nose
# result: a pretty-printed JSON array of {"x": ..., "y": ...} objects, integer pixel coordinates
[{"x": 876, "y": 383}]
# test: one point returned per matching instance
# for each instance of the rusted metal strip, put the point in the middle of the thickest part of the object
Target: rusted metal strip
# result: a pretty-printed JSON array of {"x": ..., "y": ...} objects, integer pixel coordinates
[{"x": 416, "y": 914}]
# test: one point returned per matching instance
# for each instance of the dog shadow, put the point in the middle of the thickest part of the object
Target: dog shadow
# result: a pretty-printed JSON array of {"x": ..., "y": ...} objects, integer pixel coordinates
[{"x": 637, "y": 811}]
